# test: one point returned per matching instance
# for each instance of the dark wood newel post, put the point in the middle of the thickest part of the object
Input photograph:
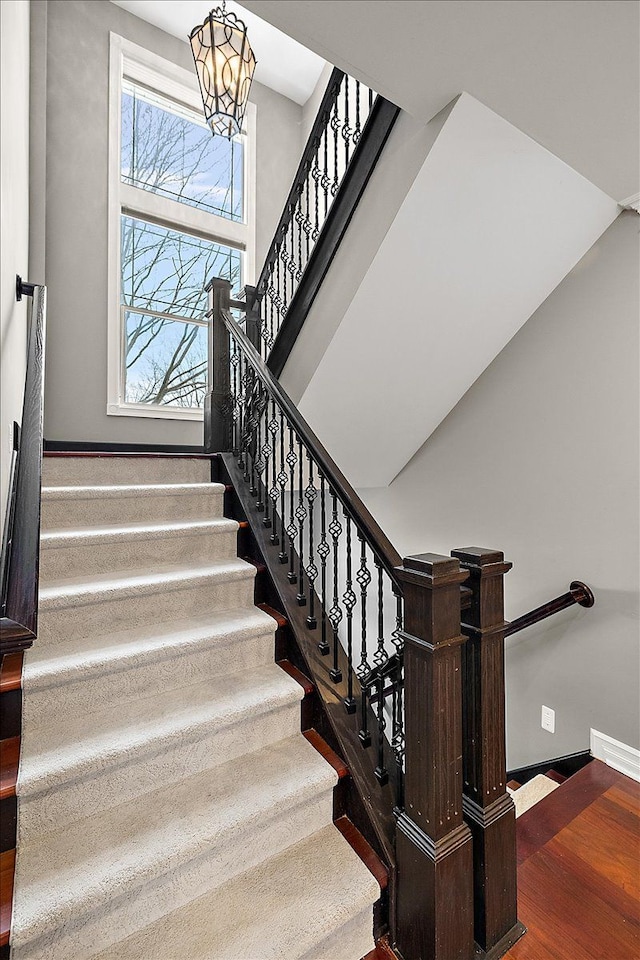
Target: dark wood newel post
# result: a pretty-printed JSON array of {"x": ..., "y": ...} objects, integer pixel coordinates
[
  {"x": 217, "y": 432},
  {"x": 488, "y": 808},
  {"x": 433, "y": 843}
]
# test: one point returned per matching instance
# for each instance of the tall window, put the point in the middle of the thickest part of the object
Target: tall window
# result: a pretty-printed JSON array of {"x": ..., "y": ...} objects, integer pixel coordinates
[{"x": 181, "y": 212}]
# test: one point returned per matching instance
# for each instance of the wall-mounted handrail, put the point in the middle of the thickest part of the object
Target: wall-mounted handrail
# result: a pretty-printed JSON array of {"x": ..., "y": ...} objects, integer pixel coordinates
[
  {"x": 21, "y": 542},
  {"x": 578, "y": 593}
]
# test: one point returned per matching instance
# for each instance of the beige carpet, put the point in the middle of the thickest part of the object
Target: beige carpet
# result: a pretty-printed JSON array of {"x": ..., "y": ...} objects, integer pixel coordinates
[
  {"x": 530, "y": 793},
  {"x": 168, "y": 806}
]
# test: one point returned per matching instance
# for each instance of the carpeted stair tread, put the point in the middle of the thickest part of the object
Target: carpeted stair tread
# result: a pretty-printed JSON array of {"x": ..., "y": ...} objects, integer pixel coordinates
[
  {"x": 67, "y": 552},
  {"x": 74, "y": 749},
  {"x": 124, "y": 469},
  {"x": 114, "y": 651},
  {"x": 108, "y": 491},
  {"x": 249, "y": 805},
  {"x": 281, "y": 911},
  {"x": 70, "y": 506},
  {"x": 93, "y": 588},
  {"x": 531, "y": 792},
  {"x": 81, "y": 676},
  {"x": 88, "y": 536}
]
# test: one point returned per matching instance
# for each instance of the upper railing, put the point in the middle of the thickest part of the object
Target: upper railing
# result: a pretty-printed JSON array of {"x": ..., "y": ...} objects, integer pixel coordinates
[
  {"x": 21, "y": 536},
  {"x": 346, "y": 139}
]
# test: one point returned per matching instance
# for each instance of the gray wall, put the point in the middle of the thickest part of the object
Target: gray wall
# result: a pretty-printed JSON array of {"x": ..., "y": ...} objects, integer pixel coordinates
[
  {"x": 404, "y": 154},
  {"x": 14, "y": 201},
  {"x": 540, "y": 459},
  {"x": 77, "y": 85}
]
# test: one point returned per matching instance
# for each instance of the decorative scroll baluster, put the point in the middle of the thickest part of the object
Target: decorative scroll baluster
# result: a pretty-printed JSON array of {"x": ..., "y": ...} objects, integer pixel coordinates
[
  {"x": 397, "y": 735},
  {"x": 335, "y": 126},
  {"x": 292, "y": 530},
  {"x": 357, "y": 128},
  {"x": 335, "y": 613},
  {"x": 312, "y": 571},
  {"x": 259, "y": 462},
  {"x": 266, "y": 458},
  {"x": 291, "y": 266},
  {"x": 363, "y": 577},
  {"x": 325, "y": 182},
  {"x": 315, "y": 173},
  {"x": 274, "y": 493},
  {"x": 282, "y": 483},
  {"x": 301, "y": 516},
  {"x": 349, "y": 601},
  {"x": 323, "y": 553},
  {"x": 346, "y": 129}
]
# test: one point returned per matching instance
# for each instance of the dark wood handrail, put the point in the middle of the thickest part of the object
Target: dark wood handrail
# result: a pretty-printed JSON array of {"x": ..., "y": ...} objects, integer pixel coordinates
[
  {"x": 21, "y": 545},
  {"x": 375, "y": 536},
  {"x": 326, "y": 105},
  {"x": 578, "y": 593}
]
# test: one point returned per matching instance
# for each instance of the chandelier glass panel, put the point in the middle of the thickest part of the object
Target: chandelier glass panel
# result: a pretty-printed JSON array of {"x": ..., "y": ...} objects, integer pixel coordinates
[{"x": 225, "y": 64}]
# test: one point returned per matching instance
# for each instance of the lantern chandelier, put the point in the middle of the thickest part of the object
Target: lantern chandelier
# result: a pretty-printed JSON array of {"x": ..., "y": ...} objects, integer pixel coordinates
[{"x": 224, "y": 63}]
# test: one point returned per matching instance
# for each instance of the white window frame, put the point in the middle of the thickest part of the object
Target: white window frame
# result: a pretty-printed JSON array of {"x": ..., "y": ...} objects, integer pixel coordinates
[{"x": 142, "y": 66}]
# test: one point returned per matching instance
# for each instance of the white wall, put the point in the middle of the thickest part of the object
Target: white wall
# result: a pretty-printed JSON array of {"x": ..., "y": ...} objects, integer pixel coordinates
[
  {"x": 76, "y": 211},
  {"x": 14, "y": 204},
  {"x": 491, "y": 224},
  {"x": 540, "y": 459}
]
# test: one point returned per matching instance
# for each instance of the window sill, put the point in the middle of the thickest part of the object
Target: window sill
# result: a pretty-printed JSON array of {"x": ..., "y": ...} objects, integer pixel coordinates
[{"x": 155, "y": 412}]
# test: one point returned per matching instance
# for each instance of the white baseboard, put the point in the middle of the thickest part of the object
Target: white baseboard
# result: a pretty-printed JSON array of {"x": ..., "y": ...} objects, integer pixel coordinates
[{"x": 617, "y": 755}]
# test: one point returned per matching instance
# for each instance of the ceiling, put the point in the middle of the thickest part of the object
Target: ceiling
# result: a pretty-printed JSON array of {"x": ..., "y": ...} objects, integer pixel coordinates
[
  {"x": 563, "y": 71},
  {"x": 284, "y": 65}
]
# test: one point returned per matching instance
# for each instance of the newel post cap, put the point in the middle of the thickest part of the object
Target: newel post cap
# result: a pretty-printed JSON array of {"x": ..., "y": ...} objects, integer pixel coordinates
[
  {"x": 431, "y": 570},
  {"x": 482, "y": 561}
]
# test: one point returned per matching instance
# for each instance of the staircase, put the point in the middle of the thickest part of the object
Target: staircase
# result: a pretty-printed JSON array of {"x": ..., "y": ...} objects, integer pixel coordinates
[{"x": 168, "y": 803}]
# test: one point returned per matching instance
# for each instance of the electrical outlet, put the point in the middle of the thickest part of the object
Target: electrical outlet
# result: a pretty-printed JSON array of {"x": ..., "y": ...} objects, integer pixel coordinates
[{"x": 548, "y": 719}]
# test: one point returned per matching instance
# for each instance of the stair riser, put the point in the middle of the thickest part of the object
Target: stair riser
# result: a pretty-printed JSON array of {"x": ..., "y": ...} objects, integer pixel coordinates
[
  {"x": 60, "y": 514},
  {"x": 77, "y": 695},
  {"x": 119, "y": 612},
  {"x": 67, "y": 471},
  {"x": 146, "y": 767},
  {"x": 237, "y": 851},
  {"x": 60, "y": 562}
]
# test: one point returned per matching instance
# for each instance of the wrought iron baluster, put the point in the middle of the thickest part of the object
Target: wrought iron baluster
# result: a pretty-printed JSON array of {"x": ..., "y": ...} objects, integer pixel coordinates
[
  {"x": 307, "y": 222},
  {"x": 335, "y": 126},
  {"x": 315, "y": 173},
  {"x": 349, "y": 601},
  {"x": 301, "y": 516},
  {"x": 335, "y": 613},
  {"x": 357, "y": 127},
  {"x": 346, "y": 129},
  {"x": 259, "y": 461},
  {"x": 234, "y": 360},
  {"x": 325, "y": 182},
  {"x": 312, "y": 571},
  {"x": 242, "y": 394},
  {"x": 380, "y": 770},
  {"x": 282, "y": 483},
  {"x": 323, "y": 553},
  {"x": 251, "y": 438},
  {"x": 397, "y": 736},
  {"x": 292, "y": 530},
  {"x": 363, "y": 577},
  {"x": 273, "y": 489},
  {"x": 291, "y": 266}
]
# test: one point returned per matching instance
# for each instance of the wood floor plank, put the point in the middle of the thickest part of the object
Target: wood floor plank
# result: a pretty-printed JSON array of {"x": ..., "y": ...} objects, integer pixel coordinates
[{"x": 579, "y": 875}]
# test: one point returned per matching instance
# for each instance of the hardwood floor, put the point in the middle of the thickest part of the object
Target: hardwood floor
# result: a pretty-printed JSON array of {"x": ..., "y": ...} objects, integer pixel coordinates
[{"x": 579, "y": 870}]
